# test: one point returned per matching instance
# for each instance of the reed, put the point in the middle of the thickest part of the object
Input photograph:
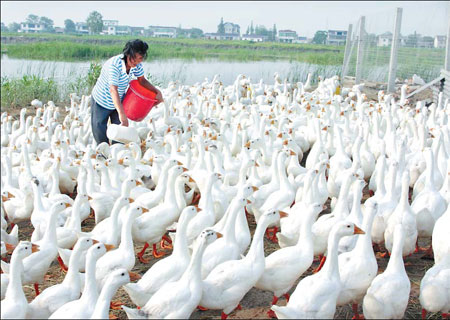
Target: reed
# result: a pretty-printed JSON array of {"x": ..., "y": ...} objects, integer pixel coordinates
[{"x": 199, "y": 49}]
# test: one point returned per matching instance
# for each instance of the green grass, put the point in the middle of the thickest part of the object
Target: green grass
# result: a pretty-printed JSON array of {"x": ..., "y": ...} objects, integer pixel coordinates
[
  {"x": 20, "y": 92},
  {"x": 72, "y": 47}
]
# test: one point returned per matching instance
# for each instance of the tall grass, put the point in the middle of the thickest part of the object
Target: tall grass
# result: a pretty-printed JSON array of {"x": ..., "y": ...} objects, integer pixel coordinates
[
  {"x": 174, "y": 48},
  {"x": 20, "y": 92}
]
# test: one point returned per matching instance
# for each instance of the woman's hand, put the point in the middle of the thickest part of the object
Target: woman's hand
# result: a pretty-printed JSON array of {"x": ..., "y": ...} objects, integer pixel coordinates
[{"x": 123, "y": 119}]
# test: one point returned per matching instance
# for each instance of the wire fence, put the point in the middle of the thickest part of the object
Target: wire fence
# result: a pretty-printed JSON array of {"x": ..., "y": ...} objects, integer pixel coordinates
[{"x": 416, "y": 53}]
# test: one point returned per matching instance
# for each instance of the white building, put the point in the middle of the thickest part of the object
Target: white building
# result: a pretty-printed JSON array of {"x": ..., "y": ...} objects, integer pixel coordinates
[
  {"x": 107, "y": 23},
  {"x": 287, "y": 36},
  {"x": 300, "y": 40},
  {"x": 27, "y": 27},
  {"x": 81, "y": 27},
  {"x": 336, "y": 37},
  {"x": 254, "y": 38},
  {"x": 384, "y": 40},
  {"x": 231, "y": 28},
  {"x": 440, "y": 41},
  {"x": 162, "y": 32}
]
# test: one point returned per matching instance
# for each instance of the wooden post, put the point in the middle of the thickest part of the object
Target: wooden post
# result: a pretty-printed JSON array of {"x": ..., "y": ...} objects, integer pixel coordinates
[
  {"x": 394, "y": 50},
  {"x": 347, "y": 52},
  {"x": 359, "y": 57},
  {"x": 447, "y": 46}
]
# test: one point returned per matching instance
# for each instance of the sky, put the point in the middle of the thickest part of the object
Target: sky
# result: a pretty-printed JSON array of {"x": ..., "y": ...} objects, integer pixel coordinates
[{"x": 305, "y": 17}]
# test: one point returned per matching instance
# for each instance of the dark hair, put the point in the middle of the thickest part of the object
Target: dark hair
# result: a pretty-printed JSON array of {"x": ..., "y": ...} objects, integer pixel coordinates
[{"x": 135, "y": 46}]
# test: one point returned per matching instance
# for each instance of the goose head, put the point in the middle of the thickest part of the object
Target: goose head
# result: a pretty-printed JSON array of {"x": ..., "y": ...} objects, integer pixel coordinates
[
  {"x": 84, "y": 243},
  {"x": 346, "y": 228},
  {"x": 208, "y": 236},
  {"x": 24, "y": 249},
  {"x": 271, "y": 216}
]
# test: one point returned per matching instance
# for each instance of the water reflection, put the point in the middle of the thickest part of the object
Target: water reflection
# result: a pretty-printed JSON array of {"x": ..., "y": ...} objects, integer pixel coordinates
[{"x": 187, "y": 72}]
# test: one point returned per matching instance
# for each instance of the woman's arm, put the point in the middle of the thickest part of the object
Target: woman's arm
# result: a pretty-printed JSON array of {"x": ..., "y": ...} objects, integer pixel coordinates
[
  {"x": 116, "y": 100},
  {"x": 144, "y": 82}
]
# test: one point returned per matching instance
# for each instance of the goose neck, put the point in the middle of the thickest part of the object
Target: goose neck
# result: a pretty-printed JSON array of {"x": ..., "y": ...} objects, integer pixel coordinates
[
  {"x": 103, "y": 302},
  {"x": 14, "y": 290},
  {"x": 395, "y": 263},
  {"x": 331, "y": 268},
  {"x": 193, "y": 271},
  {"x": 256, "y": 251}
]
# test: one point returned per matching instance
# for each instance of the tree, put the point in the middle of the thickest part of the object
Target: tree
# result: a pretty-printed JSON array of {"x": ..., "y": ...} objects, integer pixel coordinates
[
  {"x": 32, "y": 18},
  {"x": 4, "y": 28},
  {"x": 274, "y": 32},
  {"x": 95, "y": 22},
  {"x": 196, "y": 33},
  {"x": 47, "y": 23},
  {"x": 221, "y": 27},
  {"x": 248, "y": 30},
  {"x": 412, "y": 40},
  {"x": 252, "y": 30},
  {"x": 320, "y": 37},
  {"x": 13, "y": 27},
  {"x": 69, "y": 26}
]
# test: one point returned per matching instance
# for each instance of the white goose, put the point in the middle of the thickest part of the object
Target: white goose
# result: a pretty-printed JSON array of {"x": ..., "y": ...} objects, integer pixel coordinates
[
  {"x": 404, "y": 215},
  {"x": 123, "y": 256},
  {"x": 227, "y": 283},
  {"x": 165, "y": 270},
  {"x": 388, "y": 294},
  {"x": 113, "y": 281},
  {"x": 358, "y": 267},
  {"x": 55, "y": 296},
  {"x": 15, "y": 304},
  {"x": 180, "y": 298},
  {"x": 315, "y": 296},
  {"x": 284, "y": 266}
]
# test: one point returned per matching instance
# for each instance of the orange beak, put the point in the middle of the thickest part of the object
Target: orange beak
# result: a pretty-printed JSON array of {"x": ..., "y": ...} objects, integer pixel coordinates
[
  {"x": 134, "y": 276},
  {"x": 255, "y": 188},
  {"x": 130, "y": 200},
  {"x": 34, "y": 248},
  {"x": 144, "y": 210},
  {"x": 219, "y": 235},
  {"x": 358, "y": 231},
  {"x": 283, "y": 214},
  {"x": 9, "y": 247},
  {"x": 68, "y": 205},
  {"x": 109, "y": 247}
]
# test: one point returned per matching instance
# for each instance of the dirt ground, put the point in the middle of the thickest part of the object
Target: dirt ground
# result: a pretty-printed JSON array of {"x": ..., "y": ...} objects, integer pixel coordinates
[{"x": 255, "y": 303}]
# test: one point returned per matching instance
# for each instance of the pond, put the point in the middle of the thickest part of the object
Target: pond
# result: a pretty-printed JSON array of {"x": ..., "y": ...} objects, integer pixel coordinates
[{"x": 185, "y": 71}]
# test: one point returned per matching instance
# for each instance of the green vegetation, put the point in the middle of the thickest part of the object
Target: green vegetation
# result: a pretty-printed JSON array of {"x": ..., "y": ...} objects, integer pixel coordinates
[
  {"x": 20, "y": 92},
  {"x": 73, "y": 47}
]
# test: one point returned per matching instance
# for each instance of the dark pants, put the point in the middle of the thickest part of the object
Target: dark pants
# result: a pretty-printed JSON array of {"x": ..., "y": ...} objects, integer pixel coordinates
[{"x": 99, "y": 121}]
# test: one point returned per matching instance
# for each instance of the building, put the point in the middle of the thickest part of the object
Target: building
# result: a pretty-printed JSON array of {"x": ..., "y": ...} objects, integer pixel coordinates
[
  {"x": 440, "y": 41},
  {"x": 108, "y": 23},
  {"x": 162, "y": 32},
  {"x": 336, "y": 37},
  {"x": 231, "y": 28},
  {"x": 254, "y": 38},
  {"x": 300, "y": 40},
  {"x": 222, "y": 36},
  {"x": 384, "y": 40},
  {"x": 27, "y": 27},
  {"x": 59, "y": 30},
  {"x": 287, "y": 36},
  {"x": 81, "y": 28},
  {"x": 137, "y": 31}
]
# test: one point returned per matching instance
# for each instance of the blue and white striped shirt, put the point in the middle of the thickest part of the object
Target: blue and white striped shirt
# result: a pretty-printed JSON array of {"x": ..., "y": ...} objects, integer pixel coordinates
[{"x": 114, "y": 72}]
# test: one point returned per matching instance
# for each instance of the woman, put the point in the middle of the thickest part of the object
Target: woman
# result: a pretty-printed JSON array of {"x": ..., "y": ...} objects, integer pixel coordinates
[{"x": 112, "y": 84}]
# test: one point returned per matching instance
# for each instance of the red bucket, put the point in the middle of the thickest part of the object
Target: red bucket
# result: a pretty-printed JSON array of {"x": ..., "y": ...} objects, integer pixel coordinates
[{"x": 138, "y": 101}]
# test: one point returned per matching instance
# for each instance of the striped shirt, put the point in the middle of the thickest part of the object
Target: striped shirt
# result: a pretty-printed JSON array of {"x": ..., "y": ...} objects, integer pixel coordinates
[{"x": 114, "y": 72}]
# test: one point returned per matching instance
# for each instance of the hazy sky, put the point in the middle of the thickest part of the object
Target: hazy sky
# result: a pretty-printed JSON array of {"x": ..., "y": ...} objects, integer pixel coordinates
[{"x": 305, "y": 17}]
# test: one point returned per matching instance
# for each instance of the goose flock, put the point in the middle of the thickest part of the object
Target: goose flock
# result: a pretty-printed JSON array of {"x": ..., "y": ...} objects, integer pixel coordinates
[{"x": 324, "y": 172}]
